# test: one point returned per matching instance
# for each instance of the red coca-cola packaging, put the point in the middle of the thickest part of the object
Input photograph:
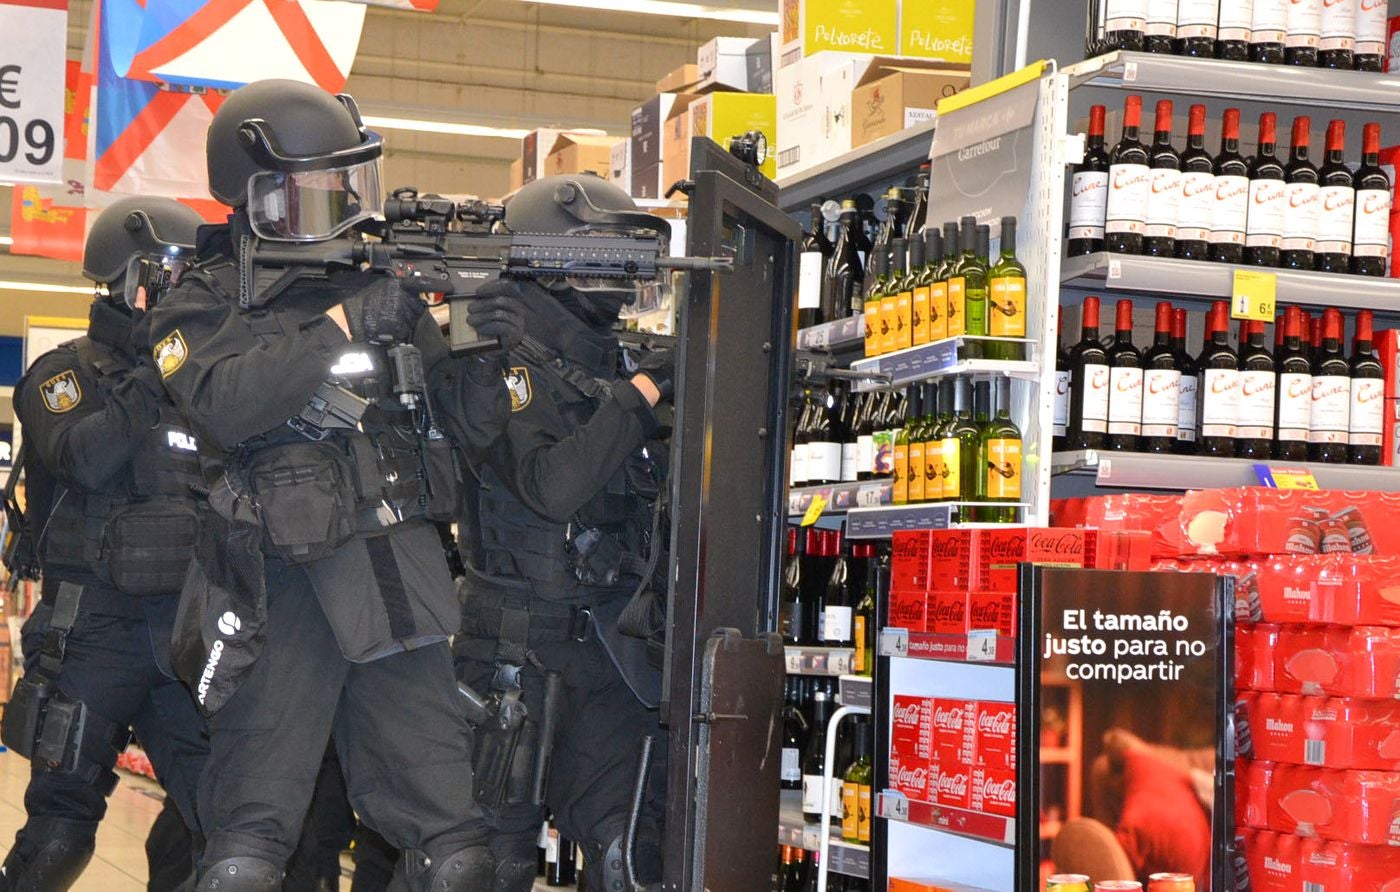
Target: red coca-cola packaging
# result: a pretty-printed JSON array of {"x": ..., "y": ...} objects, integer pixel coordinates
[
  {"x": 954, "y": 731},
  {"x": 910, "y": 776},
  {"x": 994, "y": 791},
  {"x": 909, "y": 609},
  {"x": 952, "y": 784},
  {"x": 932, "y": 559},
  {"x": 1256, "y": 521},
  {"x": 1344, "y": 590},
  {"x": 1348, "y": 806},
  {"x": 911, "y": 726},
  {"x": 996, "y": 735},
  {"x": 947, "y": 613},
  {"x": 1283, "y": 862},
  {"x": 1000, "y": 553},
  {"x": 1331, "y": 732},
  {"x": 1252, "y": 793},
  {"x": 1122, "y": 550},
  {"x": 994, "y": 611},
  {"x": 1254, "y": 656},
  {"x": 1344, "y": 662},
  {"x": 910, "y": 551}
]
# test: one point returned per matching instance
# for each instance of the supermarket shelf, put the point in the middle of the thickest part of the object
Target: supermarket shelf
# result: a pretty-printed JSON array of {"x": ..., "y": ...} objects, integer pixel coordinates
[
  {"x": 939, "y": 359},
  {"x": 843, "y": 334},
  {"x": 825, "y": 661},
  {"x": 874, "y": 164},
  {"x": 1135, "y": 470},
  {"x": 880, "y": 523},
  {"x": 847, "y": 858},
  {"x": 1246, "y": 81},
  {"x": 841, "y": 497},
  {"x": 972, "y": 647},
  {"x": 1200, "y": 280},
  {"x": 856, "y": 690},
  {"x": 979, "y": 825}
]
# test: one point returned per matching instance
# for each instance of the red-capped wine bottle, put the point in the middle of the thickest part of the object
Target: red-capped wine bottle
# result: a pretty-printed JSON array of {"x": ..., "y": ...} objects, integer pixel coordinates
[
  {"x": 1220, "y": 386},
  {"x": 1124, "y": 384},
  {"x": 1236, "y": 27},
  {"x": 1129, "y": 185},
  {"x": 1161, "y": 387},
  {"x": 1336, "y": 205},
  {"x": 1268, "y": 28},
  {"x": 1190, "y": 388},
  {"x": 1331, "y": 394},
  {"x": 1088, "y": 395},
  {"x": 1336, "y": 46},
  {"x": 1229, "y": 216},
  {"x": 1293, "y": 409},
  {"x": 1063, "y": 376},
  {"x": 1366, "y": 425},
  {"x": 1300, "y": 221},
  {"x": 1164, "y": 200},
  {"x": 1088, "y": 203},
  {"x": 1371, "y": 243},
  {"x": 1159, "y": 28},
  {"x": 1197, "y": 202},
  {"x": 1196, "y": 23},
  {"x": 1268, "y": 198},
  {"x": 1372, "y": 21},
  {"x": 1254, "y": 430},
  {"x": 1304, "y": 33}
]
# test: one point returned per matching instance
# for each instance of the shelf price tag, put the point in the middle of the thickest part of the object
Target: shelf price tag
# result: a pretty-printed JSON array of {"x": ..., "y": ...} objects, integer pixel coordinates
[
  {"x": 871, "y": 496},
  {"x": 982, "y": 646},
  {"x": 839, "y": 663},
  {"x": 894, "y": 643},
  {"x": 814, "y": 510},
  {"x": 812, "y": 837},
  {"x": 894, "y": 806},
  {"x": 1253, "y": 296},
  {"x": 1286, "y": 478},
  {"x": 794, "y": 661}
]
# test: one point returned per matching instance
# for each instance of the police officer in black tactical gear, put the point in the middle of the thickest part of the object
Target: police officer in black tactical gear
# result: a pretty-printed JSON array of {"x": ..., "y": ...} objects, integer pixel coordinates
[
  {"x": 320, "y": 600},
  {"x": 109, "y": 468},
  {"x": 562, "y": 535}
]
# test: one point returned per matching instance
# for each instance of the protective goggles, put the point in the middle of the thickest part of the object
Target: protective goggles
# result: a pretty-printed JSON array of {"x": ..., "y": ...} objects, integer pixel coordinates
[
  {"x": 314, "y": 205},
  {"x": 150, "y": 276}
]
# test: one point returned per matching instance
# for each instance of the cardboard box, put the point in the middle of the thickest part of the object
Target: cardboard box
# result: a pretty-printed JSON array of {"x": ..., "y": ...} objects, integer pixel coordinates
[
  {"x": 678, "y": 79},
  {"x": 1390, "y": 445},
  {"x": 910, "y": 775},
  {"x": 911, "y": 726},
  {"x": 723, "y": 64},
  {"x": 720, "y": 116},
  {"x": 535, "y": 149},
  {"x": 992, "y": 611},
  {"x": 941, "y": 31},
  {"x": 1331, "y": 732},
  {"x": 573, "y": 153},
  {"x": 932, "y": 559},
  {"x": 759, "y": 59},
  {"x": 648, "y": 129},
  {"x": 517, "y": 174},
  {"x": 620, "y": 167},
  {"x": 894, "y": 95},
  {"x": 675, "y": 138},
  {"x": 808, "y": 27},
  {"x": 1388, "y": 350},
  {"x": 952, "y": 784},
  {"x": 814, "y": 117}
]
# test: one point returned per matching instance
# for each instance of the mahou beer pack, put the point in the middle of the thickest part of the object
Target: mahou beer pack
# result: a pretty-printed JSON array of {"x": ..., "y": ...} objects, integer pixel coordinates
[
  {"x": 1283, "y": 862},
  {"x": 1338, "y": 732}
]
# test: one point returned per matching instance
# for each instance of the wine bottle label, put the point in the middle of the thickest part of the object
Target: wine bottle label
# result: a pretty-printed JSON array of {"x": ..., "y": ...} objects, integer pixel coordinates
[
  {"x": 1004, "y": 469},
  {"x": 957, "y": 298},
  {"x": 1371, "y": 22},
  {"x": 883, "y": 442},
  {"x": 1367, "y": 421},
  {"x": 1220, "y": 402},
  {"x": 952, "y": 468},
  {"x": 857, "y": 302},
  {"x": 799, "y": 464},
  {"x": 1164, "y": 203},
  {"x": 1197, "y": 18},
  {"x": 865, "y": 454},
  {"x": 1304, "y": 24},
  {"x": 837, "y": 624},
  {"x": 1088, "y": 204},
  {"x": 809, "y": 280},
  {"x": 858, "y": 661},
  {"x": 1129, "y": 189},
  {"x": 850, "y": 807},
  {"x": 1337, "y": 26},
  {"x": 975, "y": 311},
  {"x": 1257, "y": 392},
  {"x": 850, "y": 462},
  {"x": 933, "y": 470},
  {"x": 1161, "y": 18},
  {"x": 791, "y": 770},
  {"x": 551, "y": 847},
  {"x": 889, "y": 324},
  {"x": 1125, "y": 401},
  {"x": 903, "y": 320},
  {"x": 1006, "y": 308},
  {"x": 1236, "y": 20},
  {"x": 1300, "y": 220},
  {"x": 864, "y": 800},
  {"x": 1270, "y": 21},
  {"x": 1186, "y": 409},
  {"x": 917, "y": 489},
  {"x": 1230, "y": 210},
  {"x": 1267, "y": 200},
  {"x": 938, "y": 311},
  {"x": 900, "y": 482},
  {"x": 918, "y": 315},
  {"x": 1125, "y": 15},
  {"x": 1062, "y": 385},
  {"x": 1294, "y": 406},
  {"x": 1334, "y": 219},
  {"x": 871, "y": 319},
  {"x": 1372, "y": 223},
  {"x": 1196, "y": 207},
  {"x": 812, "y": 794},
  {"x": 1331, "y": 409},
  {"x": 823, "y": 461},
  {"x": 1096, "y": 392},
  {"x": 1161, "y": 402}
]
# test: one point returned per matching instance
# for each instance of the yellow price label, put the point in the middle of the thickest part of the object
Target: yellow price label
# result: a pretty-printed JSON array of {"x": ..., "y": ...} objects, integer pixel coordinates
[
  {"x": 1290, "y": 478},
  {"x": 814, "y": 510},
  {"x": 1253, "y": 296}
]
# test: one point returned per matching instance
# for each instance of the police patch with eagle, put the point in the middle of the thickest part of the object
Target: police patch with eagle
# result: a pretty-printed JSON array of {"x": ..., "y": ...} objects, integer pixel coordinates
[
  {"x": 61, "y": 392},
  {"x": 170, "y": 353},
  {"x": 518, "y": 384}
]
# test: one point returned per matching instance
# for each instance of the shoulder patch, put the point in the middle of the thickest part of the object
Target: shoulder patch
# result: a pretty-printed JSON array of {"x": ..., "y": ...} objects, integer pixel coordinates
[
  {"x": 61, "y": 392},
  {"x": 518, "y": 383},
  {"x": 170, "y": 353}
]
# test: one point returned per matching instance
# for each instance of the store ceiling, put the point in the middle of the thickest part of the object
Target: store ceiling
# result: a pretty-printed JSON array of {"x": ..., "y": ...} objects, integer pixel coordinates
[{"x": 506, "y": 63}]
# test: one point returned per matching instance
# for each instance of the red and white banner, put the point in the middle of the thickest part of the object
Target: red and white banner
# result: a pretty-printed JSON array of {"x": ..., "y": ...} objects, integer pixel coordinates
[{"x": 33, "y": 46}]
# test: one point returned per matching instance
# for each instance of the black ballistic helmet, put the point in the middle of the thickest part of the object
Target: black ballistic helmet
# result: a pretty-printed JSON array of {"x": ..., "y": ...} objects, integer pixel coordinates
[
  {"x": 578, "y": 203},
  {"x": 136, "y": 231}
]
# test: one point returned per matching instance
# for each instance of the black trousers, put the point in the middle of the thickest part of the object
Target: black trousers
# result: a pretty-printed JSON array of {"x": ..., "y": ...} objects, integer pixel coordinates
[
  {"x": 399, "y": 726},
  {"x": 119, "y": 666}
]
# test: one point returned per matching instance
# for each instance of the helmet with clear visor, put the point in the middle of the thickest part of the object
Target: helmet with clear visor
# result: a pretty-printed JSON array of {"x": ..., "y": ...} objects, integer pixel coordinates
[{"x": 139, "y": 247}]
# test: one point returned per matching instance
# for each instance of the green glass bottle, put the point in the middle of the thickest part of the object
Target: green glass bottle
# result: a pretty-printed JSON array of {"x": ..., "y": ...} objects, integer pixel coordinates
[
  {"x": 951, "y": 284},
  {"x": 962, "y": 459},
  {"x": 973, "y": 272},
  {"x": 1006, "y": 300},
  {"x": 976, "y": 470},
  {"x": 1000, "y": 448},
  {"x": 935, "y": 471},
  {"x": 913, "y": 412},
  {"x": 875, "y": 321}
]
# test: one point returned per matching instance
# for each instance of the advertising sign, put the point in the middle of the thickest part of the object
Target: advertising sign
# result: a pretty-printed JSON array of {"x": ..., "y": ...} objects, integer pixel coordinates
[{"x": 33, "y": 49}]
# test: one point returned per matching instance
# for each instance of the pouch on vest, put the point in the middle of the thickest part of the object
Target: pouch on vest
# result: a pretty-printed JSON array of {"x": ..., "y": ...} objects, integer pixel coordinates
[
  {"x": 148, "y": 547},
  {"x": 444, "y": 479},
  {"x": 305, "y": 493}
]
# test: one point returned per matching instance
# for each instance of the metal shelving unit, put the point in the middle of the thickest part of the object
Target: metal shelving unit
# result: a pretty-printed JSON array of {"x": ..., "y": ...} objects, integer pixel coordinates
[
  {"x": 840, "y": 497},
  {"x": 877, "y": 163},
  {"x": 846, "y": 858},
  {"x": 821, "y": 661},
  {"x": 943, "y": 358},
  {"x": 881, "y": 523},
  {"x": 836, "y": 337},
  {"x": 981, "y": 826},
  {"x": 973, "y": 647},
  {"x": 1136, "y": 470}
]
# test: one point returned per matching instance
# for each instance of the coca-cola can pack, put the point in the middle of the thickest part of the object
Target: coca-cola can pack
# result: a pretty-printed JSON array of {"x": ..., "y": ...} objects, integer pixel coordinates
[
  {"x": 994, "y": 791},
  {"x": 996, "y": 735},
  {"x": 952, "y": 784},
  {"x": 954, "y": 732},
  {"x": 992, "y": 611},
  {"x": 1000, "y": 553},
  {"x": 911, "y": 726},
  {"x": 932, "y": 559},
  {"x": 909, "y": 609},
  {"x": 947, "y": 613}
]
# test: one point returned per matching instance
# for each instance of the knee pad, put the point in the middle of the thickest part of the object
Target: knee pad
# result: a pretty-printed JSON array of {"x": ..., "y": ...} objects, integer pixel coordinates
[
  {"x": 466, "y": 870},
  {"x": 604, "y": 869},
  {"x": 242, "y": 874},
  {"x": 514, "y": 874},
  {"x": 52, "y": 865}
]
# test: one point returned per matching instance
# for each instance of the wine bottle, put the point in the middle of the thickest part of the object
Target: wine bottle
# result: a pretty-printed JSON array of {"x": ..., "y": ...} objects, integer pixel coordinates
[
  {"x": 863, "y": 620},
  {"x": 814, "y": 805},
  {"x": 1088, "y": 204},
  {"x": 1159, "y": 27},
  {"x": 812, "y": 560},
  {"x": 915, "y": 432},
  {"x": 1336, "y": 205},
  {"x": 1190, "y": 388},
  {"x": 1001, "y": 450},
  {"x": 790, "y": 606},
  {"x": 918, "y": 210},
  {"x": 838, "y": 605},
  {"x": 1161, "y": 387},
  {"x": 1294, "y": 409},
  {"x": 1268, "y": 197},
  {"x": 887, "y": 293},
  {"x": 1304, "y": 33},
  {"x": 1123, "y": 24},
  {"x": 874, "y": 314},
  {"x": 974, "y": 469},
  {"x": 845, "y": 273},
  {"x": 794, "y": 736},
  {"x": 984, "y": 251},
  {"x": 1220, "y": 386},
  {"x": 1088, "y": 400},
  {"x": 1197, "y": 203},
  {"x": 1300, "y": 221},
  {"x": 850, "y": 448},
  {"x": 1268, "y": 30},
  {"x": 970, "y": 281},
  {"x": 811, "y": 265},
  {"x": 1366, "y": 424},
  {"x": 865, "y": 437},
  {"x": 824, "y": 447},
  {"x": 886, "y": 429},
  {"x": 858, "y": 787},
  {"x": 1371, "y": 24},
  {"x": 1254, "y": 432},
  {"x": 1196, "y": 23},
  {"x": 1124, "y": 384},
  {"x": 1228, "y": 218},
  {"x": 918, "y": 292},
  {"x": 884, "y": 233},
  {"x": 1236, "y": 30},
  {"x": 801, "y": 438},
  {"x": 1371, "y": 248},
  {"x": 558, "y": 860},
  {"x": 1063, "y": 381},
  {"x": 1129, "y": 185},
  {"x": 1331, "y": 394},
  {"x": 960, "y": 448},
  {"x": 1336, "y": 47},
  {"x": 900, "y": 489},
  {"x": 1006, "y": 302},
  {"x": 935, "y": 250},
  {"x": 952, "y": 260},
  {"x": 898, "y": 302},
  {"x": 936, "y": 471},
  {"x": 1164, "y": 199}
]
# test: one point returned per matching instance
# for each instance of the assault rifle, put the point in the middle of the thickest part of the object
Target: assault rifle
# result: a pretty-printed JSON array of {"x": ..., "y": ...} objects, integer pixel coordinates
[{"x": 437, "y": 246}]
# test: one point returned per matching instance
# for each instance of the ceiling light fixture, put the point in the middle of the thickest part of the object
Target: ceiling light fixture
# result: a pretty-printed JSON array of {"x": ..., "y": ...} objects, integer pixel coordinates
[
  {"x": 45, "y": 287},
  {"x": 668, "y": 7},
  {"x": 456, "y": 129}
]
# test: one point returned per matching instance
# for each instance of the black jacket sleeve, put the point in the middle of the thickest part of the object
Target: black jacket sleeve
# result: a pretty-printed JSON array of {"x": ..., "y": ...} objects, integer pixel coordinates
[
  {"x": 84, "y": 443},
  {"x": 237, "y": 374},
  {"x": 467, "y": 393}
]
